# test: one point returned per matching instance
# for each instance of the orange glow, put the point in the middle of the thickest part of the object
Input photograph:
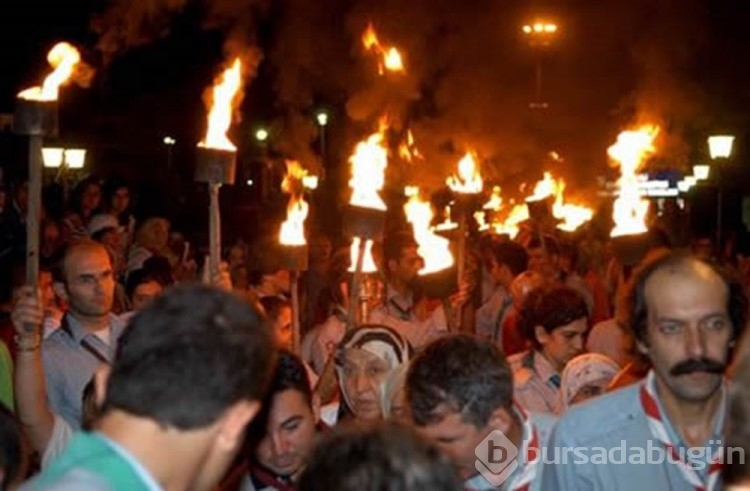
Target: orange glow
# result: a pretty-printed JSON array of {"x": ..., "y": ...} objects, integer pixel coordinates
[
  {"x": 408, "y": 150},
  {"x": 434, "y": 249},
  {"x": 495, "y": 203},
  {"x": 630, "y": 151},
  {"x": 223, "y": 100},
  {"x": 448, "y": 223},
  {"x": 369, "y": 160},
  {"x": 368, "y": 264},
  {"x": 63, "y": 57},
  {"x": 511, "y": 224},
  {"x": 293, "y": 229},
  {"x": 468, "y": 180},
  {"x": 389, "y": 57}
]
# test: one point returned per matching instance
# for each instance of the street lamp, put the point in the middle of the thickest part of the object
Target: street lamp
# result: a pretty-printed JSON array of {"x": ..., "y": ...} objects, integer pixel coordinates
[
  {"x": 261, "y": 134},
  {"x": 719, "y": 147},
  {"x": 540, "y": 35},
  {"x": 70, "y": 158},
  {"x": 701, "y": 172},
  {"x": 322, "y": 119}
]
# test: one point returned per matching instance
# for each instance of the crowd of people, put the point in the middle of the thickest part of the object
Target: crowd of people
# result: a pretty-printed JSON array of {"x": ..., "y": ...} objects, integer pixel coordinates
[{"x": 129, "y": 367}]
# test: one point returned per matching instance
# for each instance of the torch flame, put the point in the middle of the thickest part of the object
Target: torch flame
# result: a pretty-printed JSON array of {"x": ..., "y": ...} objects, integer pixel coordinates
[
  {"x": 408, "y": 150},
  {"x": 468, "y": 180},
  {"x": 369, "y": 160},
  {"x": 631, "y": 150},
  {"x": 224, "y": 97},
  {"x": 390, "y": 58},
  {"x": 63, "y": 57},
  {"x": 572, "y": 216},
  {"x": 434, "y": 249},
  {"x": 293, "y": 229},
  {"x": 368, "y": 264},
  {"x": 495, "y": 203}
]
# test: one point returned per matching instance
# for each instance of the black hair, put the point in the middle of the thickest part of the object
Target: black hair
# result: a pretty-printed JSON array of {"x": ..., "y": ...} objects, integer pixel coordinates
[
  {"x": 549, "y": 243},
  {"x": 386, "y": 456},
  {"x": 159, "y": 267},
  {"x": 394, "y": 244},
  {"x": 137, "y": 278},
  {"x": 272, "y": 305},
  {"x": 633, "y": 314},
  {"x": 512, "y": 255},
  {"x": 188, "y": 356},
  {"x": 551, "y": 308},
  {"x": 11, "y": 448},
  {"x": 467, "y": 375}
]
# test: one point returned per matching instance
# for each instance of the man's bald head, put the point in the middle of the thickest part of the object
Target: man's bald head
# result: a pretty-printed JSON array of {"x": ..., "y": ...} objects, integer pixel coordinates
[{"x": 72, "y": 253}]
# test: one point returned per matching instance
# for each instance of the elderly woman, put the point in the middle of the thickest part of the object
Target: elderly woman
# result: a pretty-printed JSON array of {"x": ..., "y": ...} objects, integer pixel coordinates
[
  {"x": 585, "y": 377},
  {"x": 364, "y": 360},
  {"x": 393, "y": 395},
  {"x": 151, "y": 240}
]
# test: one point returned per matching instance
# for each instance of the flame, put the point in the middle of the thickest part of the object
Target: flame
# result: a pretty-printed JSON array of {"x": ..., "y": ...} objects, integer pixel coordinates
[
  {"x": 434, "y": 249},
  {"x": 390, "y": 57},
  {"x": 495, "y": 203},
  {"x": 368, "y": 263},
  {"x": 511, "y": 224},
  {"x": 572, "y": 216},
  {"x": 63, "y": 57},
  {"x": 293, "y": 229},
  {"x": 224, "y": 96},
  {"x": 448, "y": 223},
  {"x": 468, "y": 180},
  {"x": 369, "y": 160},
  {"x": 481, "y": 220},
  {"x": 408, "y": 150},
  {"x": 631, "y": 150}
]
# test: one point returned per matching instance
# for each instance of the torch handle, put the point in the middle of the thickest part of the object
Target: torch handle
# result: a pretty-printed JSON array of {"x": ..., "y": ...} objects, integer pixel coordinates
[
  {"x": 354, "y": 315},
  {"x": 214, "y": 228},
  {"x": 34, "y": 211},
  {"x": 461, "y": 262},
  {"x": 296, "y": 333}
]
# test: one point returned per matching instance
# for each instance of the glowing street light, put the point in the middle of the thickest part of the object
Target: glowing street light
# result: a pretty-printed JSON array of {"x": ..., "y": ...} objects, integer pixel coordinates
[
  {"x": 701, "y": 172},
  {"x": 56, "y": 157},
  {"x": 720, "y": 146},
  {"x": 540, "y": 35},
  {"x": 168, "y": 140},
  {"x": 261, "y": 135},
  {"x": 322, "y": 118}
]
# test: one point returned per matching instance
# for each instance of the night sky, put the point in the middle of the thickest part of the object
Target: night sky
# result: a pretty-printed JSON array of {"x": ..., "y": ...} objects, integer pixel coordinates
[{"x": 681, "y": 63}]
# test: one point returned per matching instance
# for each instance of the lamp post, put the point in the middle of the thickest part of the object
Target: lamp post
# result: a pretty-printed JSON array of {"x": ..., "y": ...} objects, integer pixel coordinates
[
  {"x": 322, "y": 118},
  {"x": 720, "y": 148},
  {"x": 169, "y": 142},
  {"x": 540, "y": 36}
]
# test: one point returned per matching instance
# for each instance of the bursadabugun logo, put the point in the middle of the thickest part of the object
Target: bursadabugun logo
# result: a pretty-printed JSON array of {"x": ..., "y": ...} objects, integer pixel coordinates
[{"x": 496, "y": 458}]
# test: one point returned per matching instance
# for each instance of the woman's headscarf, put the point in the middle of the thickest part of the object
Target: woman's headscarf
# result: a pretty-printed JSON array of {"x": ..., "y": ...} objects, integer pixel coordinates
[
  {"x": 583, "y": 370},
  {"x": 381, "y": 341}
]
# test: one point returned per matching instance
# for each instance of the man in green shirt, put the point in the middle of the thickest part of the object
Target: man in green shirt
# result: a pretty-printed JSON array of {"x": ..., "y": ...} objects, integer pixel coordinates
[{"x": 187, "y": 378}]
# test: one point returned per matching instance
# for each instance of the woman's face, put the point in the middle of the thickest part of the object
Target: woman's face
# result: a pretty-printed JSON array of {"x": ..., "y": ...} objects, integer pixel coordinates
[
  {"x": 120, "y": 200},
  {"x": 91, "y": 197},
  {"x": 362, "y": 374}
]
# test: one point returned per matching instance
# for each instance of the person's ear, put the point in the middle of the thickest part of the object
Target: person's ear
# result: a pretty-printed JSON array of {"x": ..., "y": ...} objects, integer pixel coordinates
[
  {"x": 501, "y": 420},
  {"x": 234, "y": 422},
  {"x": 60, "y": 291},
  {"x": 541, "y": 335},
  {"x": 101, "y": 377}
]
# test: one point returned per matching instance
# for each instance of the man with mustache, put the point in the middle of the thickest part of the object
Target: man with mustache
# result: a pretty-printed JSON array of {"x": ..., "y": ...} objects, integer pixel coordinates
[{"x": 664, "y": 432}]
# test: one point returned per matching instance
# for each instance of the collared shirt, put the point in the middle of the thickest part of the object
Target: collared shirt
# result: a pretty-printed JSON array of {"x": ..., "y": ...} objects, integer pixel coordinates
[
  {"x": 397, "y": 312},
  {"x": 71, "y": 356},
  {"x": 543, "y": 423},
  {"x": 94, "y": 462},
  {"x": 607, "y": 424},
  {"x": 491, "y": 315},
  {"x": 536, "y": 384}
]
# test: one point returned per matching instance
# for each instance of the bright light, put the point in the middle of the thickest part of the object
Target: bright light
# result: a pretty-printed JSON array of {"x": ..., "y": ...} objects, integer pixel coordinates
[
  {"x": 250, "y": 182},
  {"x": 310, "y": 182},
  {"x": 550, "y": 28},
  {"x": 75, "y": 157},
  {"x": 261, "y": 135},
  {"x": 52, "y": 157},
  {"x": 691, "y": 180},
  {"x": 683, "y": 186},
  {"x": 527, "y": 29},
  {"x": 322, "y": 118},
  {"x": 168, "y": 140},
  {"x": 701, "y": 172},
  {"x": 720, "y": 146}
]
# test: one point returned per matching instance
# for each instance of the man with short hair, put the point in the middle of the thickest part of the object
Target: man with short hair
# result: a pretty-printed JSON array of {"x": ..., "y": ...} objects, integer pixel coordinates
[
  {"x": 188, "y": 377},
  {"x": 544, "y": 258},
  {"x": 460, "y": 390},
  {"x": 285, "y": 431},
  {"x": 685, "y": 315},
  {"x": 88, "y": 332}
]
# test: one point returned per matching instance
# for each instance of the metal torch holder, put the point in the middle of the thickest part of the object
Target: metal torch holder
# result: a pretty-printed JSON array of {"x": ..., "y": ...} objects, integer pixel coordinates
[
  {"x": 540, "y": 211},
  {"x": 215, "y": 167},
  {"x": 440, "y": 284},
  {"x": 294, "y": 258},
  {"x": 465, "y": 204},
  {"x": 367, "y": 224},
  {"x": 631, "y": 249},
  {"x": 35, "y": 119}
]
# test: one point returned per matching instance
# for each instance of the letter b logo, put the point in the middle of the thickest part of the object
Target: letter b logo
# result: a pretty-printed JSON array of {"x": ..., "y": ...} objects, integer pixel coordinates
[{"x": 496, "y": 458}]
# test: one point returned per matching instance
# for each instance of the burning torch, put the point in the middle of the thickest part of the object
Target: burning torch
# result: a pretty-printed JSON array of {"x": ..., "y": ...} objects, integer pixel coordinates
[
  {"x": 364, "y": 218},
  {"x": 292, "y": 238},
  {"x": 35, "y": 116},
  {"x": 629, "y": 236},
  {"x": 217, "y": 155}
]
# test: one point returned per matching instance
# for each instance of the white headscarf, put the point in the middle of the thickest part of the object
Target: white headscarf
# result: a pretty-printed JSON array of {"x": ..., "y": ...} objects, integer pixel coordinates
[{"x": 583, "y": 370}]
